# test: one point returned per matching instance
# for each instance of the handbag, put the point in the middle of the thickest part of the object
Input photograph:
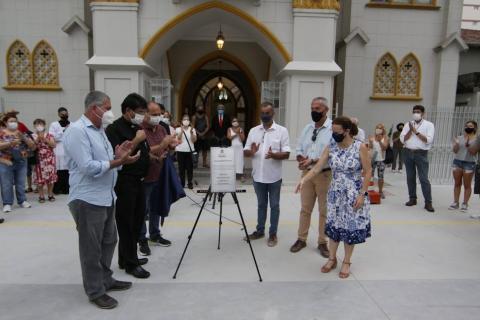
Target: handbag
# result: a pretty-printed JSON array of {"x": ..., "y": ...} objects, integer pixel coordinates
[{"x": 193, "y": 152}]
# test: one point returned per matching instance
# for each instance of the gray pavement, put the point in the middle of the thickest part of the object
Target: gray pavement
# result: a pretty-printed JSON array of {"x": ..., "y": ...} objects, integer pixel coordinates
[{"x": 417, "y": 265}]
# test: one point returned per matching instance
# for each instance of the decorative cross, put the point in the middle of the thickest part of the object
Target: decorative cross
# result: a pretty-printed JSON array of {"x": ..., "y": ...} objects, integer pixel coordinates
[
  {"x": 19, "y": 53},
  {"x": 44, "y": 53},
  {"x": 385, "y": 65},
  {"x": 408, "y": 65}
]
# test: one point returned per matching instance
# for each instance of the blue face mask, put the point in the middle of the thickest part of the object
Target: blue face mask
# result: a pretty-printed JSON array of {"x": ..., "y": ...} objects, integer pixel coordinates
[
  {"x": 266, "y": 118},
  {"x": 338, "y": 137}
]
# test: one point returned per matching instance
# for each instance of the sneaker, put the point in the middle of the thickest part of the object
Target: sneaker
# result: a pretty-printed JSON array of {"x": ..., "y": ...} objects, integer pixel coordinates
[
  {"x": 453, "y": 206},
  {"x": 160, "y": 241},
  {"x": 399, "y": 171},
  {"x": 255, "y": 236},
  {"x": 297, "y": 246},
  {"x": 382, "y": 195},
  {"x": 7, "y": 208},
  {"x": 464, "y": 207},
  {"x": 25, "y": 204},
  {"x": 272, "y": 240},
  {"x": 144, "y": 248}
]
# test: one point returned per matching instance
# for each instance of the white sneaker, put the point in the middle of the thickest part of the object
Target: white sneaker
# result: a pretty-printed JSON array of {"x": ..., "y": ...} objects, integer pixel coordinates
[
  {"x": 7, "y": 208},
  {"x": 25, "y": 204},
  {"x": 453, "y": 206},
  {"x": 464, "y": 207}
]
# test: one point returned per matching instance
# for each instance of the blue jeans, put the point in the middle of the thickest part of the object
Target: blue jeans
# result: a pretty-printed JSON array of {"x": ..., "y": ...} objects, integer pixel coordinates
[
  {"x": 266, "y": 191},
  {"x": 153, "y": 218},
  {"x": 10, "y": 176},
  {"x": 417, "y": 161}
]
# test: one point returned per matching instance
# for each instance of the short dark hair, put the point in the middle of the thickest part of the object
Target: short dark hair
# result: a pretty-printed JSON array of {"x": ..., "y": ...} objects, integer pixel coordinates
[
  {"x": 133, "y": 102},
  {"x": 400, "y": 124},
  {"x": 9, "y": 115},
  {"x": 39, "y": 121},
  {"x": 61, "y": 109},
  {"x": 419, "y": 107},
  {"x": 346, "y": 124}
]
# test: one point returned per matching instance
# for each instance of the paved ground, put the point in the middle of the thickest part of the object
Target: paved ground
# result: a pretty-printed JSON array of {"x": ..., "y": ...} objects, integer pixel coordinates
[{"x": 417, "y": 265}]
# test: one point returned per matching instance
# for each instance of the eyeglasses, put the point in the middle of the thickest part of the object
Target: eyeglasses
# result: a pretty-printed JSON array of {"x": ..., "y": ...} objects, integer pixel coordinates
[{"x": 315, "y": 134}]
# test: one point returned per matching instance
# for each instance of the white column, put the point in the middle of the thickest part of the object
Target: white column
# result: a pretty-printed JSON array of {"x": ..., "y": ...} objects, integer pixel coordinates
[
  {"x": 118, "y": 69},
  {"x": 311, "y": 73}
]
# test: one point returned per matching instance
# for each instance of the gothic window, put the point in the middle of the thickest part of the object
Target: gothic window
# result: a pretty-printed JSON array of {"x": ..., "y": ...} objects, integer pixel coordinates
[
  {"x": 45, "y": 65},
  {"x": 19, "y": 65},
  {"x": 385, "y": 76},
  {"x": 409, "y": 76}
]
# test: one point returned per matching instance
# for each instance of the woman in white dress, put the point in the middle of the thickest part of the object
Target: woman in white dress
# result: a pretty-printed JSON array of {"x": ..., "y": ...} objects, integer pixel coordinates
[{"x": 237, "y": 136}]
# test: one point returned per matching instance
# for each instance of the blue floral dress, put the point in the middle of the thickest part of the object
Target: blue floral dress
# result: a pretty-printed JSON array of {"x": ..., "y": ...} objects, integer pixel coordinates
[{"x": 343, "y": 222}]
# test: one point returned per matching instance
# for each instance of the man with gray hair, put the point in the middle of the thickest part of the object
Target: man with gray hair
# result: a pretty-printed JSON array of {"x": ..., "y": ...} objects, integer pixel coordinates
[
  {"x": 361, "y": 133},
  {"x": 93, "y": 172},
  {"x": 314, "y": 139}
]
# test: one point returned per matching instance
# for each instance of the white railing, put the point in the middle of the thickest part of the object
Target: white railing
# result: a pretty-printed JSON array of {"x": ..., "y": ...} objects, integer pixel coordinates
[{"x": 449, "y": 122}]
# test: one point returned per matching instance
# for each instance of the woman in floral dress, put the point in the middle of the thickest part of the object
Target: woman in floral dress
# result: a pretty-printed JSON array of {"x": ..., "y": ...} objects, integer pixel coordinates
[
  {"x": 45, "y": 169},
  {"x": 348, "y": 216}
]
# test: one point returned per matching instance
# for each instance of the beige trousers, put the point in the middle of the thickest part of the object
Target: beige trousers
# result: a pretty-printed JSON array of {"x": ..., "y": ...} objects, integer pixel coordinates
[{"x": 312, "y": 190}]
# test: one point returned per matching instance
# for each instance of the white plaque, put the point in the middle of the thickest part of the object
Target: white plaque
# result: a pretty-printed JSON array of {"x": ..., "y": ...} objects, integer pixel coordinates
[{"x": 222, "y": 170}]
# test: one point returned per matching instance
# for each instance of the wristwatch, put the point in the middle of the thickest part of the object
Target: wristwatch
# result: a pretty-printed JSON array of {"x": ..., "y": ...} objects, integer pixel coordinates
[
  {"x": 365, "y": 194},
  {"x": 417, "y": 133}
]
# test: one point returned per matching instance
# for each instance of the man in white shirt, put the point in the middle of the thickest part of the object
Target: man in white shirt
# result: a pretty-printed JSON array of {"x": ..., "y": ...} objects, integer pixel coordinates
[
  {"x": 417, "y": 137},
  {"x": 267, "y": 145},
  {"x": 361, "y": 133}
]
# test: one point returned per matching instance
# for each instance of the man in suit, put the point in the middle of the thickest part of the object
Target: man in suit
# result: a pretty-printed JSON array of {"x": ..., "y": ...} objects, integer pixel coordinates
[{"x": 220, "y": 124}]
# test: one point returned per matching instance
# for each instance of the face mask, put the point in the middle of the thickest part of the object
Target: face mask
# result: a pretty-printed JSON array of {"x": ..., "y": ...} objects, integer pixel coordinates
[
  {"x": 200, "y": 111},
  {"x": 40, "y": 128},
  {"x": 235, "y": 124},
  {"x": 155, "y": 120},
  {"x": 317, "y": 116},
  {"x": 266, "y": 118},
  {"x": 417, "y": 116},
  {"x": 338, "y": 137},
  {"x": 220, "y": 111},
  {"x": 63, "y": 116},
  {"x": 378, "y": 131},
  {"x": 12, "y": 125},
  {"x": 186, "y": 123},
  {"x": 107, "y": 118},
  {"x": 400, "y": 128},
  {"x": 469, "y": 130},
  {"x": 138, "y": 119}
]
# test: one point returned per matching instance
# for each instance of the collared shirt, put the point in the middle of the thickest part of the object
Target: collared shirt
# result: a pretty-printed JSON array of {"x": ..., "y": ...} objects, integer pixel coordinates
[
  {"x": 276, "y": 137},
  {"x": 88, "y": 153},
  {"x": 313, "y": 149},
  {"x": 120, "y": 131},
  {"x": 155, "y": 136},
  {"x": 425, "y": 128}
]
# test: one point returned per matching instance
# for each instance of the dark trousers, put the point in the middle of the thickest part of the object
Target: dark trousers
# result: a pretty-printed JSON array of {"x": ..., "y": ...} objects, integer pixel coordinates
[
  {"x": 417, "y": 161},
  {"x": 397, "y": 158},
  {"x": 61, "y": 186},
  {"x": 153, "y": 217},
  {"x": 97, "y": 238},
  {"x": 130, "y": 214},
  {"x": 185, "y": 163}
]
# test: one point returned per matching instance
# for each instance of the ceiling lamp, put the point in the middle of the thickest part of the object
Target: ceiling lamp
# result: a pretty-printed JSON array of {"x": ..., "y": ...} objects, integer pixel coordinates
[
  {"x": 220, "y": 83},
  {"x": 220, "y": 39}
]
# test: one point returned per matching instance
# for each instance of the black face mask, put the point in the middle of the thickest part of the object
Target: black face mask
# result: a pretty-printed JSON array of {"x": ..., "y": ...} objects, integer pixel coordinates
[
  {"x": 338, "y": 137},
  {"x": 317, "y": 116},
  {"x": 200, "y": 111},
  {"x": 400, "y": 128},
  {"x": 469, "y": 130},
  {"x": 266, "y": 118}
]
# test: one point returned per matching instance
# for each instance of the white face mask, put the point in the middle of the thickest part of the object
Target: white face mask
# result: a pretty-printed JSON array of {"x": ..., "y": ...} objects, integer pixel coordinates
[
  {"x": 235, "y": 124},
  {"x": 138, "y": 119},
  {"x": 155, "y": 120},
  {"x": 378, "y": 131},
  {"x": 107, "y": 118},
  {"x": 40, "y": 128},
  {"x": 417, "y": 116},
  {"x": 186, "y": 123},
  {"x": 12, "y": 125}
]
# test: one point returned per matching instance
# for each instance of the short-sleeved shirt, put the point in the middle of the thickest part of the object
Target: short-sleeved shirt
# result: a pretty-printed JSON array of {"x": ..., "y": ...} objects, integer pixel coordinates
[
  {"x": 313, "y": 149},
  {"x": 462, "y": 153},
  {"x": 276, "y": 137},
  {"x": 155, "y": 136}
]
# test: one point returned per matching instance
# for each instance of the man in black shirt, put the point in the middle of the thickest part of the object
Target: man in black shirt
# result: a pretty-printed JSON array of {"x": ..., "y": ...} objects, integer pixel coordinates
[{"x": 130, "y": 204}]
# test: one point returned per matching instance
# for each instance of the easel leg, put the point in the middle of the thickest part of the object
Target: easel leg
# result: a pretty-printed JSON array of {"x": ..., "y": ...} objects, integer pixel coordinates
[
  {"x": 191, "y": 234},
  {"x": 235, "y": 199},
  {"x": 220, "y": 200}
]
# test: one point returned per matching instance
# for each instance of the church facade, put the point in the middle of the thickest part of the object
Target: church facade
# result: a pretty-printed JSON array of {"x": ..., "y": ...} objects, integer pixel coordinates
[{"x": 372, "y": 59}]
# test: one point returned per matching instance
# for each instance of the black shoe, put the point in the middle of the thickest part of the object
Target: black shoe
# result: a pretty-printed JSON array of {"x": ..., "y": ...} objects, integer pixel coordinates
[
  {"x": 190, "y": 186},
  {"x": 159, "y": 241},
  {"x": 138, "y": 272},
  {"x": 105, "y": 302},
  {"x": 429, "y": 207},
  {"x": 255, "y": 236},
  {"x": 144, "y": 248},
  {"x": 120, "y": 286},
  {"x": 141, "y": 262},
  {"x": 411, "y": 202},
  {"x": 2, "y": 220}
]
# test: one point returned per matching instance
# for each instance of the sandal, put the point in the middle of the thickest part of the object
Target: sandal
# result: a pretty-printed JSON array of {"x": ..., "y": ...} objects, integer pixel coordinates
[
  {"x": 345, "y": 275},
  {"x": 51, "y": 198},
  {"x": 41, "y": 199},
  {"x": 326, "y": 269}
]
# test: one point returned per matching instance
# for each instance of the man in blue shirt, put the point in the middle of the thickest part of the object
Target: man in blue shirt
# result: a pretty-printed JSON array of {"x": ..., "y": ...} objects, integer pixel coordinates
[
  {"x": 93, "y": 173},
  {"x": 314, "y": 139}
]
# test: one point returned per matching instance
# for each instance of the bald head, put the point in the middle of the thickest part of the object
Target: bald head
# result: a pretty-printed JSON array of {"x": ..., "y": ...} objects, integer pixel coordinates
[{"x": 154, "y": 109}]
